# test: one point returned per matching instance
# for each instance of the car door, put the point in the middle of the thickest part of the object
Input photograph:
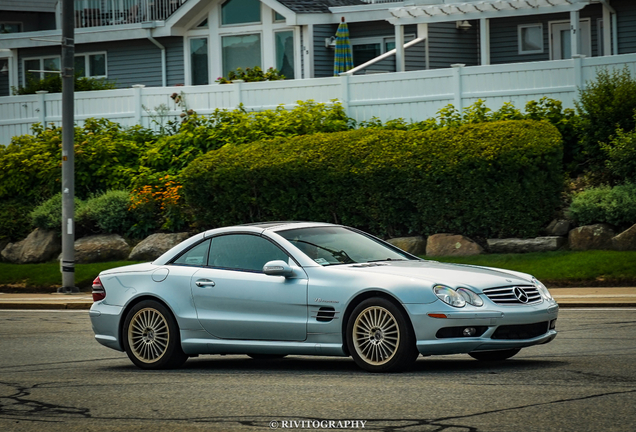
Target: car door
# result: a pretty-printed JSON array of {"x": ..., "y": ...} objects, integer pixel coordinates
[{"x": 234, "y": 299}]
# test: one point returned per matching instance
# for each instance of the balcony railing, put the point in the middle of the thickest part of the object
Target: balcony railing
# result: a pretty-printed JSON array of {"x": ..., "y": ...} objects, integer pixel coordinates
[{"x": 93, "y": 13}]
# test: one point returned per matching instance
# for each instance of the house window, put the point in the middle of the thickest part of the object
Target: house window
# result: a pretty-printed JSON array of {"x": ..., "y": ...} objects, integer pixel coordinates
[
  {"x": 530, "y": 38},
  {"x": 33, "y": 68},
  {"x": 90, "y": 65},
  {"x": 199, "y": 74},
  {"x": 285, "y": 53},
  {"x": 365, "y": 49},
  {"x": 278, "y": 17},
  {"x": 241, "y": 51},
  {"x": 240, "y": 12},
  {"x": 10, "y": 27}
]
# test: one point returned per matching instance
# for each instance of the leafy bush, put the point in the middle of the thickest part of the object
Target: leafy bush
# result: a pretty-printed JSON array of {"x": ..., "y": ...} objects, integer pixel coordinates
[
  {"x": 158, "y": 207},
  {"x": 490, "y": 179},
  {"x": 621, "y": 156},
  {"x": 48, "y": 215},
  {"x": 608, "y": 103},
  {"x": 613, "y": 205},
  {"x": 107, "y": 213},
  {"x": 53, "y": 84},
  {"x": 15, "y": 223},
  {"x": 199, "y": 135},
  {"x": 251, "y": 75}
]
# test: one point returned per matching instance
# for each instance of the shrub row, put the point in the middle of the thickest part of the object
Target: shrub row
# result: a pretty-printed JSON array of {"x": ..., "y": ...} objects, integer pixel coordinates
[
  {"x": 491, "y": 179},
  {"x": 604, "y": 204}
]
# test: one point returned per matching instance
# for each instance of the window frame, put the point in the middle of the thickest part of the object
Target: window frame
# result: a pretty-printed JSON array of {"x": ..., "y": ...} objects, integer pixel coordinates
[
  {"x": 188, "y": 54},
  {"x": 520, "y": 50},
  {"x": 381, "y": 40},
  {"x": 41, "y": 59},
  {"x": 86, "y": 56}
]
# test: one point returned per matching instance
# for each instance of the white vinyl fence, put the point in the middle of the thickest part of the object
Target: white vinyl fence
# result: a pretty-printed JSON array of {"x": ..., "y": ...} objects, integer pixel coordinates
[{"x": 413, "y": 96}]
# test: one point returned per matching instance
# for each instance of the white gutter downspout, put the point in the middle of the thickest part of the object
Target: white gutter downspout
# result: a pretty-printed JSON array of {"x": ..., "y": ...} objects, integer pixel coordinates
[
  {"x": 614, "y": 26},
  {"x": 164, "y": 81}
]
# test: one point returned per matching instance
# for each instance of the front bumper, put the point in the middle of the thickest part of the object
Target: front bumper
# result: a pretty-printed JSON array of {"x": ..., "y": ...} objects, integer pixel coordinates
[{"x": 490, "y": 317}]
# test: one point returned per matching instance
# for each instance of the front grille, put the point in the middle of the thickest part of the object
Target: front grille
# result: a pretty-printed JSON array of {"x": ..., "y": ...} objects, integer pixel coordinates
[
  {"x": 514, "y": 295},
  {"x": 524, "y": 331}
]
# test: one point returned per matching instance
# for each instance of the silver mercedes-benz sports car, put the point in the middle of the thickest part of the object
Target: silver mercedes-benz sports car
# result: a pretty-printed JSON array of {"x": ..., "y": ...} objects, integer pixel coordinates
[{"x": 274, "y": 289}]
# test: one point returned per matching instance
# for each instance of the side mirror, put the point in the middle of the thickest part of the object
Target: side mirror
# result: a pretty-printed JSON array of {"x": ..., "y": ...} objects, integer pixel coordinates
[{"x": 278, "y": 268}]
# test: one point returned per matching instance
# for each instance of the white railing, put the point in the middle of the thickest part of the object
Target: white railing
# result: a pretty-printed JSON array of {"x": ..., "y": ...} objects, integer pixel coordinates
[
  {"x": 93, "y": 13},
  {"x": 413, "y": 96}
]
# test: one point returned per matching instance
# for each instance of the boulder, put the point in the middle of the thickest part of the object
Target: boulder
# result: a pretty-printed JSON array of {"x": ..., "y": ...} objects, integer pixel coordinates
[
  {"x": 558, "y": 227},
  {"x": 626, "y": 240},
  {"x": 156, "y": 245},
  {"x": 589, "y": 237},
  {"x": 99, "y": 248},
  {"x": 516, "y": 245},
  {"x": 413, "y": 245},
  {"x": 39, "y": 246},
  {"x": 451, "y": 244}
]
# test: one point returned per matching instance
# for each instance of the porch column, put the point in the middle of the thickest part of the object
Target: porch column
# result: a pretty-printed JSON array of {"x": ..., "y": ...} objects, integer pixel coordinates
[
  {"x": 399, "y": 48},
  {"x": 607, "y": 31},
  {"x": 574, "y": 32},
  {"x": 484, "y": 40}
]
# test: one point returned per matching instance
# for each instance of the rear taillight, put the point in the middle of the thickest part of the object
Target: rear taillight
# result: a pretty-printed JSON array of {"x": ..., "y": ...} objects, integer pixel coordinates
[{"x": 99, "y": 293}]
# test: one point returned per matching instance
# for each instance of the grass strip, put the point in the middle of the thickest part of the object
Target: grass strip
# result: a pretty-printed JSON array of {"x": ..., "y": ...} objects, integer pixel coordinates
[
  {"x": 47, "y": 277},
  {"x": 563, "y": 268}
]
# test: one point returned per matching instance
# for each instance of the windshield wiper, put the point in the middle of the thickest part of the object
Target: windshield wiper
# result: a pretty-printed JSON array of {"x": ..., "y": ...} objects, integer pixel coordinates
[
  {"x": 341, "y": 255},
  {"x": 387, "y": 259}
]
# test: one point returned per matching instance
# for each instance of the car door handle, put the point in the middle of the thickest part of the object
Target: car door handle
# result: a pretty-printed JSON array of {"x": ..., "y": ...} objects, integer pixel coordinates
[{"x": 202, "y": 283}]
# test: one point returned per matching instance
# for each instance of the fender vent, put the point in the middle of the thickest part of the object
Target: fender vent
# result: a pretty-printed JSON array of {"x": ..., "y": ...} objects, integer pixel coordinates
[{"x": 325, "y": 314}]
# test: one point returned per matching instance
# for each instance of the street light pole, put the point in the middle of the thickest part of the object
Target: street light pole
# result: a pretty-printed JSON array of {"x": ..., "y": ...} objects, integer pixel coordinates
[{"x": 68, "y": 151}]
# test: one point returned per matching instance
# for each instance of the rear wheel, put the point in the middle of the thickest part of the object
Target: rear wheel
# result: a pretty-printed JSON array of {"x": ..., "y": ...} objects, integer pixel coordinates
[
  {"x": 151, "y": 337},
  {"x": 494, "y": 355},
  {"x": 379, "y": 337}
]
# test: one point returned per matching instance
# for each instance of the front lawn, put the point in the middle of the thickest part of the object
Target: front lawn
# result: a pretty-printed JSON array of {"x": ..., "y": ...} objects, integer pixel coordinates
[{"x": 564, "y": 268}]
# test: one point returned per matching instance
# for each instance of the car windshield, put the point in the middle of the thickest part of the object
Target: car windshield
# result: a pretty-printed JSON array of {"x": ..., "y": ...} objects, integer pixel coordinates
[{"x": 339, "y": 245}]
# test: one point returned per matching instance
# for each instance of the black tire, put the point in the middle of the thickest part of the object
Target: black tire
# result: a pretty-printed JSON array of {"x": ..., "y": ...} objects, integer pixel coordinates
[
  {"x": 267, "y": 356},
  {"x": 494, "y": 355},
  {"x": 379, "y": 337},
  {"x": 151, "y": 337}
]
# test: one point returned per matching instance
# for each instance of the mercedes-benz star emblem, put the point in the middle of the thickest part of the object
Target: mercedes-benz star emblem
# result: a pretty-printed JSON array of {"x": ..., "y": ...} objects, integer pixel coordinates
[{"x": 521, "y": 295}]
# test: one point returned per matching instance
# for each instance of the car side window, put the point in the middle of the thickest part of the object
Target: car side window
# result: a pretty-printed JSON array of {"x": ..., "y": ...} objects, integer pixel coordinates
[
  {"x": 196, "y": 256},
  {"x": 243, "y": 252}
]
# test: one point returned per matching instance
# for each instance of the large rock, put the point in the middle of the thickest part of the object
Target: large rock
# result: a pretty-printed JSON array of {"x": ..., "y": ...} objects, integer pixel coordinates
[
  {"x": 516, "y": 245},
  {"x": 156, "y": 245},
  {"x": 558, "y": 227},
  {"x": 589, "y": 237},
  {"x": 626, "y": 240},
  {"x": 413, "y": 245},
  {"x": 451, "y": 244},
  {"x": 99, "y": 248},
  {"x": 39, "y": 246}
]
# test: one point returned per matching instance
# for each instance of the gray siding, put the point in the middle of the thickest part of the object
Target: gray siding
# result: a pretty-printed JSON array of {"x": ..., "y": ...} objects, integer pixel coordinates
[
  {"x": 447, "y": 45},
  {"x": 504, "y": 41},
  {"x": 4, "y": 79},
  {"x": 31, "y": 21},
  {"x": 129, "y": 62},
  {"x": 29, "y": 6},
  {"x": 323, "y": 57},
  {"x": 626, "y": 17}
]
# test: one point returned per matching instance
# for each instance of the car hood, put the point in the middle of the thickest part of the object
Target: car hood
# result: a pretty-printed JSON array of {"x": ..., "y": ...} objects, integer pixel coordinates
[{"x": 454, "y": 275}]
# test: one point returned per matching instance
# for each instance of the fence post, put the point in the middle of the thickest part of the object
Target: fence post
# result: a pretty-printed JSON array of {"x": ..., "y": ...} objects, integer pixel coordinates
[
  {"x": 344, "y": 92},
  {"x": 137, "y": 101},
  {"x": 42, "y": 108},
  {"x": 457, "y": 85},
  {"x": 577, "y": 60},
  {"x": 237, "y": 91}
]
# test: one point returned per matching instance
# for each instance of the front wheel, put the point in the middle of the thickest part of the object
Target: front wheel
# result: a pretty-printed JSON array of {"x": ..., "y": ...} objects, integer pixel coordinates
[
  {"x": 494, "y": 355},
  {"x": 379, "y": 337},
  {"x": 151, "y": 337}
]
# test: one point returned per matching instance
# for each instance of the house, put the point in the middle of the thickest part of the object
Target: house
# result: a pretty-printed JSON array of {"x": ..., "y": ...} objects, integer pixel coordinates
[{"x": 192, "y": 42}]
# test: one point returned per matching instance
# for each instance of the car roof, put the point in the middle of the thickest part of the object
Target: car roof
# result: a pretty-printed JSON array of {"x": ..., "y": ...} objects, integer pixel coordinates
[{"x": 284, "y": 225}]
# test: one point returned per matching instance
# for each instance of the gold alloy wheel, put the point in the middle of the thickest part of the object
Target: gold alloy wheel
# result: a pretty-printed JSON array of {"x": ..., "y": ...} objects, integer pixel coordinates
[
  {"x": 376, "y": 336},
  {"x": 148, "y": 335}
]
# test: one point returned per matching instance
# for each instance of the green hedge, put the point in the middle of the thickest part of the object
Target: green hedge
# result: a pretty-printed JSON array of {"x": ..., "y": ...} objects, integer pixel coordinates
[
  {"x": 486, "y": 180},
  {"x": 614, "y": 205}
]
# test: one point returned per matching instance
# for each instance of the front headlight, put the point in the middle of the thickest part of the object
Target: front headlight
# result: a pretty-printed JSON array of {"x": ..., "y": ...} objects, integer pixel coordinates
[
  {"x": 542, "y": 289},
  {"x": 449, "y": 296},
  {"x": 470, "y": 297}
]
